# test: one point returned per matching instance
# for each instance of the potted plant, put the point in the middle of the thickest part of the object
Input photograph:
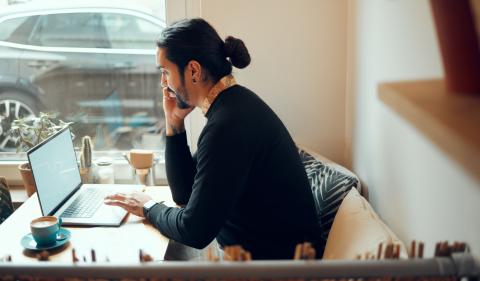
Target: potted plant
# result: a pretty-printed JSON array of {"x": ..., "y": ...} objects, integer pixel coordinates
[{"x": 30, "y": 131}]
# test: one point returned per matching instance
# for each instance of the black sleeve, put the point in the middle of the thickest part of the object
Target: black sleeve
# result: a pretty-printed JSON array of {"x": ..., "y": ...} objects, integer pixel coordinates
[
  {"x": 222, "y": 170},
  {"x": 180, "y": 167}
]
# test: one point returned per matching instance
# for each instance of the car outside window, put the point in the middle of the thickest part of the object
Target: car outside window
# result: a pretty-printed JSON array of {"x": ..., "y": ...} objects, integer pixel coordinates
[
  {"x": 80, "y": 30},
  {"x": 17, "y": 30},
  {"x": 130, "y": 32},
  {"x": 9, "y": 26},
  {"x": 94, "y": 66}
]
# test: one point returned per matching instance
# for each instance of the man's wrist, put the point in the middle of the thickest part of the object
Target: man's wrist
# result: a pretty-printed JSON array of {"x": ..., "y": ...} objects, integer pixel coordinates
[
  {"x": 148, "y": 206},
  {"x": 175, "y": 128}
]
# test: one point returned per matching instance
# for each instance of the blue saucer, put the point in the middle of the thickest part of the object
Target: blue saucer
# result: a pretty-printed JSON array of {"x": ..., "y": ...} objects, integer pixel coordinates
[{"x": 29, "y": 243}]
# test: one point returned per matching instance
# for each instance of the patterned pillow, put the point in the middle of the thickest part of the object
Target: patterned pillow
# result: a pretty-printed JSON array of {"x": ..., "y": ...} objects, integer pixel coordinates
[
  {"x": 330, "y": 184},
  {"x": 6, "y": 207}
]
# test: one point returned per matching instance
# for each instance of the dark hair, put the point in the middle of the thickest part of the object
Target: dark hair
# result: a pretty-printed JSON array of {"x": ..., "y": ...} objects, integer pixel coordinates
[{"x": 196, "y": 39}]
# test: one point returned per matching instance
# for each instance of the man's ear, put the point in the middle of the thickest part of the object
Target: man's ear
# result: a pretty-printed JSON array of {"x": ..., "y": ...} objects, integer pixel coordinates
[{"x": 194, "y": 71}]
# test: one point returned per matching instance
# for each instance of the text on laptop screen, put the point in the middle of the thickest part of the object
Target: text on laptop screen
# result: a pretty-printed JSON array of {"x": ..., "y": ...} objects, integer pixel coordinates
[{"x": 55, "y": 169}]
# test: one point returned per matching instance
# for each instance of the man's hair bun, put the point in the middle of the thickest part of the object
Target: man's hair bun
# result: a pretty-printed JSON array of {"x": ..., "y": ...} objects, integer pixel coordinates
[{"x": 236, "y": 50}]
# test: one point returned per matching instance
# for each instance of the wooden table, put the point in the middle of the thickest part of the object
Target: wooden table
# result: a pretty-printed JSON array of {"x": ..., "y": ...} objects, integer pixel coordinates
[{"x": 118, "y": 244}]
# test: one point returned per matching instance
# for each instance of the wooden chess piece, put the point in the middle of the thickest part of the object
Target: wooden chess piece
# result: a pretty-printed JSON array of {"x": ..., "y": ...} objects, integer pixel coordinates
[
  {"x": 94, "y": 256},
  {"x": 43, "y": 256},
  {"x": 144, "y": 257},
  {"x": 74, "y": 256},
  {"x": 304, "y": 251}
]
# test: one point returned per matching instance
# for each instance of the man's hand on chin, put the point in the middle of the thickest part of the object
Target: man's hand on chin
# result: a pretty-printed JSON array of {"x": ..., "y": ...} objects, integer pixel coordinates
[{"x": 132, "y": 202}]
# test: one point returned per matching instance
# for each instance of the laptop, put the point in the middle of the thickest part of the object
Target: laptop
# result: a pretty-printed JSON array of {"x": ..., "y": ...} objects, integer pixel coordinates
[{"x": 60, "y": 190}]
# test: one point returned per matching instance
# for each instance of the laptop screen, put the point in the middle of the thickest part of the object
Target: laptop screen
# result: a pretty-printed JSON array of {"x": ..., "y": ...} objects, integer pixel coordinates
[{"x": 54, "y": 167}]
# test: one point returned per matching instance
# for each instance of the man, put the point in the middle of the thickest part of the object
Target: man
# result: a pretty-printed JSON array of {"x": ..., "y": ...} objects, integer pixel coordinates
[{"x": 245, "y": 185}]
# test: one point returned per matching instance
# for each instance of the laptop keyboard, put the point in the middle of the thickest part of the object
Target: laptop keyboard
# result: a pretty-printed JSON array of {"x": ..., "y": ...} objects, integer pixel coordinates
[{"x": 85, "y": 205}]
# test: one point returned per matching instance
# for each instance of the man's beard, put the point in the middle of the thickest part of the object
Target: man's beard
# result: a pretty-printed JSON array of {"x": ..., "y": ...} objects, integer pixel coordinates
[{"x": 181, "y": 102}]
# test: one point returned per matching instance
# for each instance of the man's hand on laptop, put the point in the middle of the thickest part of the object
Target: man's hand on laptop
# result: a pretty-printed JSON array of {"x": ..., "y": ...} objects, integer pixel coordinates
[{"x": 132, "y": 202}]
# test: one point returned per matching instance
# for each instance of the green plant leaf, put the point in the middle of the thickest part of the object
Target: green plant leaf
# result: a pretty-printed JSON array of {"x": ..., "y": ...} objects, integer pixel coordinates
[{"x": 30, "y": 131}]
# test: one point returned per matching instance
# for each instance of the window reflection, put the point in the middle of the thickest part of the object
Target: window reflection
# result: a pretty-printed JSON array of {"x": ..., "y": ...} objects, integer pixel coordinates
[{"x": 95, "y": 66}]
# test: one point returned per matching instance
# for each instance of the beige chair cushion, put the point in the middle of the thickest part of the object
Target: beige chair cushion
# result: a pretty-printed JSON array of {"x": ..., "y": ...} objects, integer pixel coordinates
[{"x": 358, "y": 230}]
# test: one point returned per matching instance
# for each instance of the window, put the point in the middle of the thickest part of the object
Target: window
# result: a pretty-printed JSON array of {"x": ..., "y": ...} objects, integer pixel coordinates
[
  {"x": 81, "y": 30},
  {"x": 17, "y": 30},
  {"x": 64, "y": 65},
  {"x": 130, "y": 32},
  {"x": 95, "y": 66}
]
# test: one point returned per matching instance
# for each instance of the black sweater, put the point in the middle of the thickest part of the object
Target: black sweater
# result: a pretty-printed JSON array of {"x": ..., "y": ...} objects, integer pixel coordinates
[{"x": 245, "y": 184}]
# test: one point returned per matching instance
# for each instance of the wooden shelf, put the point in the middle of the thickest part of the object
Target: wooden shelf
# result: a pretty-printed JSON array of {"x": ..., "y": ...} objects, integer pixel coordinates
[{"x": 452, "y": 121}]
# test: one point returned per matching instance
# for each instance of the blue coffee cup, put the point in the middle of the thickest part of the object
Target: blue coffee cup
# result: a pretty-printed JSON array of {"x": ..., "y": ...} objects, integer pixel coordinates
[{"x": 45, "y": 230}]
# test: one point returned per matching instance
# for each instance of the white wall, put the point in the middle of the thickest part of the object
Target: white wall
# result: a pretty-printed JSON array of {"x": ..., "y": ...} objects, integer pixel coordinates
[
  {"x": 298, "y": 62},
  {"x": 414, "y": 186},
  {"x": 323, "y": 85}
]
